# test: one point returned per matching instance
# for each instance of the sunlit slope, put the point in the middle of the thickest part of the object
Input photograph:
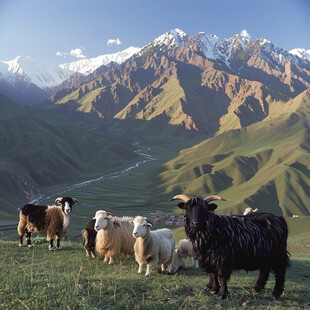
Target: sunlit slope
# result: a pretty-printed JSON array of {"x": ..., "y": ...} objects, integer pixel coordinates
[
  {"x": 265, "y": 165},
  {"x": 39, "y": 150}
]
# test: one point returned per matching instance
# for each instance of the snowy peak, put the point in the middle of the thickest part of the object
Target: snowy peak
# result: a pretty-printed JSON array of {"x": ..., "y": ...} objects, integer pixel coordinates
[
  {"x": 226, "y": 50},
  {"x": 30, "y": 71},
  {"x": 171, "y": 39},
  {"x": 88, "y": 66},
  {"x": 301, "y": 53}
]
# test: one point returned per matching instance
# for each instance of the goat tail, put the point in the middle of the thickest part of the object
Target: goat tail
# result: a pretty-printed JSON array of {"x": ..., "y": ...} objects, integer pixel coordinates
[{"x": 21, "y": 228}]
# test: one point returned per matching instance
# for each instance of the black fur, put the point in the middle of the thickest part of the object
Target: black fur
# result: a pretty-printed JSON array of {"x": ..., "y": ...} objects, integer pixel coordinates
[
  {"x": 89, "y": 238},
  {"x": 36, "y": 213},
  {"x": 226, "y": 243}
]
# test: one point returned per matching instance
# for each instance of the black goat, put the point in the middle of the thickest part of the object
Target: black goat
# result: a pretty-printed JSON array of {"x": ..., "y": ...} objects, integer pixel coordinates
[
  {"x": 226, "y": 243},
  {"x": 89, "y": 238}
]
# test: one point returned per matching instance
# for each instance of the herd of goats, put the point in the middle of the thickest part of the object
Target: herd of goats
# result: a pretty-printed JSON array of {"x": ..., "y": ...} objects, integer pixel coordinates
[{"x": 219, "y": 244}]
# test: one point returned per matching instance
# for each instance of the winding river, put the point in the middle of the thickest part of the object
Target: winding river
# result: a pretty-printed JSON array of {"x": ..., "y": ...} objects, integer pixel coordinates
[{"x": 140, "y": 150}]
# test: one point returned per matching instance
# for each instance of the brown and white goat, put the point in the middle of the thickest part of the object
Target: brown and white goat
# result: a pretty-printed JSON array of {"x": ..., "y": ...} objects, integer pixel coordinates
[{"x": 52, "y": 221}]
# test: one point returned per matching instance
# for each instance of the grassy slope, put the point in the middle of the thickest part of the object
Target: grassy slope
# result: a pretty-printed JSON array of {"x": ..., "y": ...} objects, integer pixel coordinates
[
  {"x": 40, "y": 150},
  {"x": 263, "y": 165},
  {"x": 66, "y": 279}
]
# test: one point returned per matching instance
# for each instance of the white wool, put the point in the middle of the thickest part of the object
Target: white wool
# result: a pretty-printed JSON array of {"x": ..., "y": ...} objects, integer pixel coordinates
[{"x": 153, "y": 247}]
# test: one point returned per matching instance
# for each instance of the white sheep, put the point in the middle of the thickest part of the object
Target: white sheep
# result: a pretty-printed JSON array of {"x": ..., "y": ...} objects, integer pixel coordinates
[
  {"x": 185, "y": 249},
  {"x": 152, "y": 247},
  {"x": 250, "y": 211},
  {"x": 114, "y": 236},
  {"x": 54, "y": 221}
]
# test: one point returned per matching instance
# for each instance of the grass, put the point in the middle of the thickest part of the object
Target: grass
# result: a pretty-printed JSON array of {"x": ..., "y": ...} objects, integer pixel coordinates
[{"x": 67, "y": 279}]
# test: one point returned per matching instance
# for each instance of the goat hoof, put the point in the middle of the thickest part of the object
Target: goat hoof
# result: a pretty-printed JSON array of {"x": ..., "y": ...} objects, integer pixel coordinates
[
  {"x": 20, "y": 245},
  {"x": 275, "y": 295},
  {"x": 222, "y": 296},
  {"x": 58, "y": 248},
  {"x": 30, "y": 246},
  {"x": 50, "y": 248},
  {"x": 207, "y": 288}
]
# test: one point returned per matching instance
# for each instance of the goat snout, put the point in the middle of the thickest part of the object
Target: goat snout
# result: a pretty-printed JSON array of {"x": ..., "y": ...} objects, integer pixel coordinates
[
  {"x": 135, "y": 234},
  {"x": 194, "y": 223}
]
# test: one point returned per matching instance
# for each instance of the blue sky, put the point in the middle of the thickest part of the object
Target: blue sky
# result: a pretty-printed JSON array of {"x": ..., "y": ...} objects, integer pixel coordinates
[{"x": 44, "y": 29}]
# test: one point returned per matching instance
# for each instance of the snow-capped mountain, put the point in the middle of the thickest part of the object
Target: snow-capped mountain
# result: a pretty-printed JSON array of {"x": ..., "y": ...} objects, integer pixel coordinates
[
  {"x": 171, "y": 39},
  {"x": 225, "y": 50},
  {"x": 24, "y": 75},
  {"x": 29, "y": 71},
  {"x": 87, "y": 66},
  {"x": 301, "y": 52}
]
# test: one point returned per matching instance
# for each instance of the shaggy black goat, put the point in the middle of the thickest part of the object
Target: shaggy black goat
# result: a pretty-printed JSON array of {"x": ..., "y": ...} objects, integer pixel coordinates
[{"x": 226, "y": 243}]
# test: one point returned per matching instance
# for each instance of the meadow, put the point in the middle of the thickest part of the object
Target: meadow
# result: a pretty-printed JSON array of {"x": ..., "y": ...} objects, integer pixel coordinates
[{"x": 67, "y": 279}]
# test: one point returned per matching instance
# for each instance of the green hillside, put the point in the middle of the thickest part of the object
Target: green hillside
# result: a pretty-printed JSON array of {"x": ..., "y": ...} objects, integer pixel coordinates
[
  {"x": 262, "y": 166},
  {"x": 40, "y": 149}
]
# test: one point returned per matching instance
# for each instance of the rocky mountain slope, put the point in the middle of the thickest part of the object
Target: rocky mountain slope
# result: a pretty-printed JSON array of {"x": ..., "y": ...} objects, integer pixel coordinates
[
  {"x": 265, "y": 165},
  {"x": 203, "y": 83},
  {"x": 28, "y": 82}
]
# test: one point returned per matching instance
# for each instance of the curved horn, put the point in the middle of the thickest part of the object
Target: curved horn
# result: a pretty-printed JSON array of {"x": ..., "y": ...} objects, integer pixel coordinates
[
  {"x": 57, "y": 200},
  {"x": 214, "y": 197},
  {"x": 75, "y": 200},
  {"x": 180, "y": 197}
]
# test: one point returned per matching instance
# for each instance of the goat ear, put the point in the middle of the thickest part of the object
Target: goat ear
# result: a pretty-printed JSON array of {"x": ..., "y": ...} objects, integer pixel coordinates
[
  {"x": 149, "y": 222},
  {"x": 94, "y": 218},
  {"x": 131, "y": 223},
  {"x": 181, "y": 205},
  {"x": 58, "y": 200},
  {"x": 75, "y": 201},
  {"x": 109, "y": 213},
  {"x": 212, "y": 206}
]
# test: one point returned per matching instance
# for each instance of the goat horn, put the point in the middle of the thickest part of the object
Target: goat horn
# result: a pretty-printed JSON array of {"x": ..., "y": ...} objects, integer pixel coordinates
[
  {"x": 180, "y": 197},
  {"x": 109, "y": 213},
  {"x": 57, "y": 200},
  {"x": 75, "y": 200},
  {"x": 214, "y": 197}
]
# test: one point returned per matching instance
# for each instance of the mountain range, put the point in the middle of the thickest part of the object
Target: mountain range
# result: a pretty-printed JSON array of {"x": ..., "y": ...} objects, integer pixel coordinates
[
  {"x": 203, "y": 83},
  {"x": 247, "y": 100}
]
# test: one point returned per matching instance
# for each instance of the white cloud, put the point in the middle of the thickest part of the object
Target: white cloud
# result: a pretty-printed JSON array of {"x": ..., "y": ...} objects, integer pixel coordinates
[
  {"x": 244, "y": 33},
  {"x": 77, "y": 52},
  {"x": 113, "y": 41},
  {"x": 61, "y": 54}
]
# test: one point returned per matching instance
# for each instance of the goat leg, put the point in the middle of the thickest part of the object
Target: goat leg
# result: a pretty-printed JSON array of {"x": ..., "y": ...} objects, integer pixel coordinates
[{"x": 28, "y": 236}]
